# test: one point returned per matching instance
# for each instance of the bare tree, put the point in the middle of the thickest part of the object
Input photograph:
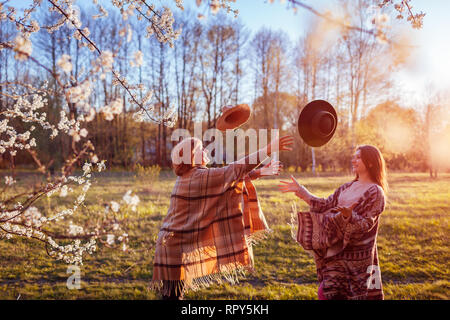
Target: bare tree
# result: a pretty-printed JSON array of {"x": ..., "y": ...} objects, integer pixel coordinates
[
  {"x": 215, "y": 67},
  {"x": 187, "y": 71},
  {"x": 366, "y": 72},
  {"x": 260, "y": 49}
]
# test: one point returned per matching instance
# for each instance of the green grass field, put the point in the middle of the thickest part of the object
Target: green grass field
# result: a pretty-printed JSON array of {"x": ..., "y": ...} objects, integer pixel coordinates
[{"x": 413, "y": 245}]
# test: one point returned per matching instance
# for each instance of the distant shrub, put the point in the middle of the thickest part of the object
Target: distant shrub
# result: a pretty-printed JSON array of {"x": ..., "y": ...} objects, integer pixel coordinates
[
  {"x": 291, "y": 169},
  {"x": 151, "y": 172}
]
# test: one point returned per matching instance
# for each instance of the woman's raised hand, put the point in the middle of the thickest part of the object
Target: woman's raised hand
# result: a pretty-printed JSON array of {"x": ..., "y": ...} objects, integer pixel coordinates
[
  {"x": 289, "y": 186},
  {"x": 285, "y": 143},
  {"x": 297, "y": 188},
  {"x": 280, "y": 144},
  {"x": 273, "y": 168},
  {"x": 347, "y": 211}
]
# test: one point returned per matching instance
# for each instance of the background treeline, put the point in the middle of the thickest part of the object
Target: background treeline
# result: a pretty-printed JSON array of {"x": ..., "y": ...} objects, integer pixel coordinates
[{"x": 218, "y": 62}]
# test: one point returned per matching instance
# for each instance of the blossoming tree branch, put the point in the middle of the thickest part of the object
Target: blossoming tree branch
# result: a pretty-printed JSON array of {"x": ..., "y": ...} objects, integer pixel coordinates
[{"x": 22, "y": 117}]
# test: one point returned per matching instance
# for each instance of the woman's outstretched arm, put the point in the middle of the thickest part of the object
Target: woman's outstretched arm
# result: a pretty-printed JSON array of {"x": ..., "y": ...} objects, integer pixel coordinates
[
  {"x": 239, "y": 169},
  {"x": 317, "y": 205},
  {"x": 243, "y": 166},
  {"x": 299, "y": 190},
  {"x": 345, "y": 225}
]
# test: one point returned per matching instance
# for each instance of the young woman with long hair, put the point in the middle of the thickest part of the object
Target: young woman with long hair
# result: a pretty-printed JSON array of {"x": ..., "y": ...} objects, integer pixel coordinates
[{"x": 341, "y": 230}]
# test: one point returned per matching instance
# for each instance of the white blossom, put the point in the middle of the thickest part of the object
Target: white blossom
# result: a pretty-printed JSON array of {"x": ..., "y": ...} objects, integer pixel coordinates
[
  {"x": 32, "y": 217},
  {"x": 74, "y": 229},
  {"x": 138, "y": 59},
  {"x": 106, "y": 110},
  {"x": 110, "y": 239},
  {"x": 116, "y": 106},
  {"x": 215, "y": 6},
  {"x": 64, "y": 190},
  {"x": 9, "y": 181},
  {"x": 138, "y": 116},
  {"x": 64, "y": 63},
  {"x": 87, "y": 167},
  {"x": 83, "y": 133},
  {"x": 81, "y": 93},
  {"x": 23, "y": 48},
  {"x": 75, "y": 135},
  {"x": 101, "y": 166},
  {"x": 91, "y": 115},
  {"x": 115, "y": 206},
  {"x": 106, "y": 59},
  {"x": 131, "y": 201}
]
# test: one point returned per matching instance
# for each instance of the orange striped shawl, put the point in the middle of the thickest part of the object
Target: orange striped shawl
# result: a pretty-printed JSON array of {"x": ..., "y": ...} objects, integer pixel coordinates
[{"x": 213, "y": 218}]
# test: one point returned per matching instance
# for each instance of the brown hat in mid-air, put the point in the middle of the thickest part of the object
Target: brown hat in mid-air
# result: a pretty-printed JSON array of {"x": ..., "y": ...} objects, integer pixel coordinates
[
  {"x": 317, "y": 123},
  {"x": 233, "y": 117}
]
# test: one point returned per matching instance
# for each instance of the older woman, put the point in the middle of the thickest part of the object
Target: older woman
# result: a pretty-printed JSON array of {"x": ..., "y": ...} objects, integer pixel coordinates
[
  {"x": 341, "y": 231},
  {"x": 213, "y": 217}
]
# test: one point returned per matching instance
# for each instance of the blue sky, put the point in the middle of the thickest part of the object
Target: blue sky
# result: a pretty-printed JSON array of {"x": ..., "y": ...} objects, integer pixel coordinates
[{"x": 429, "y": 64}]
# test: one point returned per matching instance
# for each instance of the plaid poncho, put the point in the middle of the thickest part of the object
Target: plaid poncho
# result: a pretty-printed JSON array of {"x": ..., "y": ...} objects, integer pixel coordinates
[
  {"x": 213, "y": 218},
  {"x": 345, "y": 250}
]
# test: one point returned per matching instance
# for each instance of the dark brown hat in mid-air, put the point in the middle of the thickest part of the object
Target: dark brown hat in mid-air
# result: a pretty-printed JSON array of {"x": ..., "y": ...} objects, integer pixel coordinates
[{"x": 317, "y": 123}]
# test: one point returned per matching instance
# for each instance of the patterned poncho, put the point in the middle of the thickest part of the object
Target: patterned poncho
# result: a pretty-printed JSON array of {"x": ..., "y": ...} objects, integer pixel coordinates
[
  {"x": 213, "y": 218},
  {"x": 345, "y": 250}
]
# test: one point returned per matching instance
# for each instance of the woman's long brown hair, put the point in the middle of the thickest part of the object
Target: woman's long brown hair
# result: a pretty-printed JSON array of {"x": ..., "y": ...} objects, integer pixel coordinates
[{"x": 375, "y": 164}]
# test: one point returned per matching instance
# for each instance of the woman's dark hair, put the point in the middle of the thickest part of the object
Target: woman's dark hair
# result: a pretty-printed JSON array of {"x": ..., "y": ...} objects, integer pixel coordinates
[
  {"x": 375, "y": 164},
  {"x": 181, "y": 168}
]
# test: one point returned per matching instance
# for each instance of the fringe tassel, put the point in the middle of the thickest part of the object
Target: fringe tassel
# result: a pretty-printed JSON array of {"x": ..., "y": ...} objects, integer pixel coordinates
[
  {"x": 293, "y": 222},
  {"x": 258, "y": 236},
  {"x": 168, "y": 287},
  {"x": 229, "y": 273}
]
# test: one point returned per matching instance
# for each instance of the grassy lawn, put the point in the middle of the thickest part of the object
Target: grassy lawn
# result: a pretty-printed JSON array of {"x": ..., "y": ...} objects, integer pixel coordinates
[{"x": 413, "y": 245}]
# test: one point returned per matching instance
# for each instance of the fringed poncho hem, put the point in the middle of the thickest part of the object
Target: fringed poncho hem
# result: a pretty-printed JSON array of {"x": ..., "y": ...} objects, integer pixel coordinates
[
  {"x": 214, "y": 219},
  {"x": 231, "y": 274}
]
